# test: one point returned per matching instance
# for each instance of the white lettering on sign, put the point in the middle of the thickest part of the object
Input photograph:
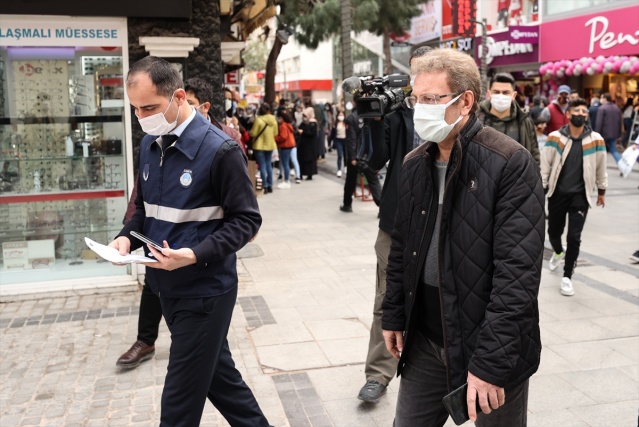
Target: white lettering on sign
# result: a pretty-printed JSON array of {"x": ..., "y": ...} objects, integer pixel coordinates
[
  {"x": 607, "y": 39},
  {"x": 525, "y": 34},
  {"x": 503, "y": 48},
  {"x": 462, "y": 45}
]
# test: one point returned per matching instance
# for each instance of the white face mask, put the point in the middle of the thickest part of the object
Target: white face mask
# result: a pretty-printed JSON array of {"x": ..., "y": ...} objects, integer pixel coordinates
[
  {"x": 157, "y": 124},
  {"x": 501, "y": 102},
  {"x": 228, "y": 104},
  {"x": 430, "y": 122},
  {"x": 340, "y": 118}
]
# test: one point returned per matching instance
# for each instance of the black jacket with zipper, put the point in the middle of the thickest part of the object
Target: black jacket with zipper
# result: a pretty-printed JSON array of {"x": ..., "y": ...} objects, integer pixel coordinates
[
  {"x": 490, "y": 255},
  {"x": 392, "y": 140}
]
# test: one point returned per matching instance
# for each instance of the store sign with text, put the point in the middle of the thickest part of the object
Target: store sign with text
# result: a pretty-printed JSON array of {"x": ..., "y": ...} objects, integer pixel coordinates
[
  {"x": 523, "y": 34},
  {"x": 500, "y": 51},
  {"x": 427, "y": 26},
  {"x": 463, "y": 44},
  {"x": 456, "y": 15},
  {"x": 41, "y": 31},
  {"x": 607, "y": 33}
]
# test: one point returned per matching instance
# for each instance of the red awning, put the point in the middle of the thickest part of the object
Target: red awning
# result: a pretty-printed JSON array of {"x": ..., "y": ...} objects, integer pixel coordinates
[{"x": 305, "y": 85}]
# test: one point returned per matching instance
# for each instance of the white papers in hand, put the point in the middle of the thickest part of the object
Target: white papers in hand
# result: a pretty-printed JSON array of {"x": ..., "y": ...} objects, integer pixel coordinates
[{"x": 111, "y": 254}]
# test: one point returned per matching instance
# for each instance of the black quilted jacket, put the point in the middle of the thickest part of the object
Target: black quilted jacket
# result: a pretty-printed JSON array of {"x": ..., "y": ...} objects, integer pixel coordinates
[{"x": 490, "y": 255}]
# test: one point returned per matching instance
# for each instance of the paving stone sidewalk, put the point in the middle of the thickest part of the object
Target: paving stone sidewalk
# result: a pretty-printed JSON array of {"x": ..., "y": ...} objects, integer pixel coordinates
[{"x": 300, "y": 329}]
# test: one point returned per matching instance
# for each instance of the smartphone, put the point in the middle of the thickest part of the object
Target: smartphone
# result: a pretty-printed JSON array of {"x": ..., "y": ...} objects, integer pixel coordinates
[
  {"x": 457, "y": 406},
  {"x": 146, "y": 240}
]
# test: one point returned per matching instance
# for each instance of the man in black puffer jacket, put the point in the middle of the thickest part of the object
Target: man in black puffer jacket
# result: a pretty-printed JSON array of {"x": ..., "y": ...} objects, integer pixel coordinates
[{"x": 466, "y": 255}]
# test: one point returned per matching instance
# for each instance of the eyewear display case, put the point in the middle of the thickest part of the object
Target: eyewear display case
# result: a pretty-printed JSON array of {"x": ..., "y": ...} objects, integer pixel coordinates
[{"x": 64, "y": 153}]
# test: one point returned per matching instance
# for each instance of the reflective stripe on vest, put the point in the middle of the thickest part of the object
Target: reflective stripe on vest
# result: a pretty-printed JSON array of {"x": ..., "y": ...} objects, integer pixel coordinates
[{"x": 178, "y": 216}]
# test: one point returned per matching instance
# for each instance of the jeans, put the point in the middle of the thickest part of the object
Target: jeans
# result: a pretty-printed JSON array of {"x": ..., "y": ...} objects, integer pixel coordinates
[
  {"x": 611, "y": 144},
  {"x": 338, "y": 144},
  {"x": 627, "y": 125},
  {"x": 263, "y": 159},
  {"x": 296, "y": 163},
  {"x": 576, "y": 207},
  {"x": 285, "y": 162},
  {"x": 423, "y": 384}
]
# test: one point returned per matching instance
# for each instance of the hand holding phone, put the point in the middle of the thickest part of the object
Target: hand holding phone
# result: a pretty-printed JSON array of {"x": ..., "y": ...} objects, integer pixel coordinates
[
  {"x": 146, "y": 240},
  {"x": 456, "y": 404}
]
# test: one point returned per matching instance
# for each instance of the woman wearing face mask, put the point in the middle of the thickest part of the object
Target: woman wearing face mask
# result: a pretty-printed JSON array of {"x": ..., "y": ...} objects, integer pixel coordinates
[
  {"x": 339, "y": 139},
  {"x": 263, "y": 133},
  {"x": 306, "y": 144},
  {"x": 285, "y": 143}
]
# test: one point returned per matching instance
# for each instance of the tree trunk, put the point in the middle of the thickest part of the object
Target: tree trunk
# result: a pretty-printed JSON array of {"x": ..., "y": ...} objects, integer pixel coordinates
[
  {"x": 271, "y": 70},
  {"x": 347, "y": 57},
  {"x": 388, "y": 63}
]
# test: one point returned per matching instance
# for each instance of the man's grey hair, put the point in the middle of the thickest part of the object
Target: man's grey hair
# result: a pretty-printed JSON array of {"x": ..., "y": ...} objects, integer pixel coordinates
[{"x": 461, "y": 70}]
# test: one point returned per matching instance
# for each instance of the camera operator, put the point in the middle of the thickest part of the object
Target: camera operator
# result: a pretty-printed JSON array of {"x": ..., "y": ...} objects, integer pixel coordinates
[
  {"x": 393, "y": 138},
  {"x": 354, "y": 126}
]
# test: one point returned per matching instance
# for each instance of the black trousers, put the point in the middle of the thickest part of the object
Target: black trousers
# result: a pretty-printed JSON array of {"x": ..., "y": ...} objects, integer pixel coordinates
[
  {"x": 352, "y": 175},
  {"x": 424, "y": 383},
  {"x": 201, "y": 365},
  {"x": 574, "y": 206},
  {"x": 150, "y": 315}
]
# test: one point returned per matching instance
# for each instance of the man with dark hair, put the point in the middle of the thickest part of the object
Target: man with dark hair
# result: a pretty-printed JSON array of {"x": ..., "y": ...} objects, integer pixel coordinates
[
  {"x": 194, "y": 192},
  {"x": 574, "y": 94},
  {"x": 150, "y": 311},
  {"x": 199, "y": 95},
  {"x": 609, "y": 124},
  {"x": 503, "y": 114},
  {"x": 354, "y": 129},
  {"x": 393, "y": 138},
  {"x": 466, "y": 255},
  {"x": 573, "y": 165},
  {"x": 536, "y": 109}
]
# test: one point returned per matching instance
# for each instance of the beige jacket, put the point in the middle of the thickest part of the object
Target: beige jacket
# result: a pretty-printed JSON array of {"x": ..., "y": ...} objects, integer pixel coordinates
[{"x": 556, "y": 150}]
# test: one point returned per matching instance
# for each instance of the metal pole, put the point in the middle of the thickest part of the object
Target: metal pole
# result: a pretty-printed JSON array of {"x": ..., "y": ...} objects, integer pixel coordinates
[{"x": 483, "y": 66}]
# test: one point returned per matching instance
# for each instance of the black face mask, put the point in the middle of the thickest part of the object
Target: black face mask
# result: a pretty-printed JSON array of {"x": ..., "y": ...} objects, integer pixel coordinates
[{"x": 577, "y": 121}]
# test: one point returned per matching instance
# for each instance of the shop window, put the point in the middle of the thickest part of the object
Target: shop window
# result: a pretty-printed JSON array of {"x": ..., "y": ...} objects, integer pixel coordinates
[
  {"x": 62, "y": 163},
  {"x": 500, "y": 14},
  {"x": 554, "y": 7}
]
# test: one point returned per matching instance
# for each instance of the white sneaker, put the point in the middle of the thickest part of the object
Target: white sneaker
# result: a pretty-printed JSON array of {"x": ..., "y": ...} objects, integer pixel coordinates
[
  {"x": 292, "y": 173},
  {"x": 284, "y": 185},
  {"x": 566, "y": 287},
  {"x": 339, "y": 173},
  {"x": 554, "y": 260}
]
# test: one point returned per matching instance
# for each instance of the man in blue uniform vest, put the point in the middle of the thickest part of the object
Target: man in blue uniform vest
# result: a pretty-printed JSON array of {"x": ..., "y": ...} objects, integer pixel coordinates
[{"x": 194, "y": 196}]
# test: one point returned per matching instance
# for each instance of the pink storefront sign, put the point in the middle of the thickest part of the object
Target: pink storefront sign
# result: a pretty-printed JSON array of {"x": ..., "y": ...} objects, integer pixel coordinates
[{"x": 612, "y": 32}]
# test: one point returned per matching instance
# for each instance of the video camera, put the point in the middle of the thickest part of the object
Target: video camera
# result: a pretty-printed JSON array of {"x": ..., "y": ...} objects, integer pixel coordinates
[{"x": 381, "y": 95}]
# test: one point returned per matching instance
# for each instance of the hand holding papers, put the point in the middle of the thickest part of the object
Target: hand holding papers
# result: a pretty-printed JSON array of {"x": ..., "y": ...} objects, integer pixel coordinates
[{"x": 111, "y": 254}]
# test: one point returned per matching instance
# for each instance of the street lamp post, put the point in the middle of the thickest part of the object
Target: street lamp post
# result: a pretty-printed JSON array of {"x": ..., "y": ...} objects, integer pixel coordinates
[{"x": 483, "y": 65}]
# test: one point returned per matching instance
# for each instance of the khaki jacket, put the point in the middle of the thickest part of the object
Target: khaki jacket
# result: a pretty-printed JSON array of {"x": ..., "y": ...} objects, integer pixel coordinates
[{"x": 266, "y": 140}]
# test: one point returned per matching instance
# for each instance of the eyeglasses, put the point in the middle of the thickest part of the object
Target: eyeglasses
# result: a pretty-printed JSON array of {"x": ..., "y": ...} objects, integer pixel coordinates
[{"x": 427, "y": 98}]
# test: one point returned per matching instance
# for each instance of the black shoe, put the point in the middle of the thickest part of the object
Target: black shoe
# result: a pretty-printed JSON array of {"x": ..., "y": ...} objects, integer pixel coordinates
[
  {"x": 635, "y": 257},
  {"x": 309, "y": 178},
  {"x": 372, "y": 391},
  {"x": 344, "y": 208}
]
